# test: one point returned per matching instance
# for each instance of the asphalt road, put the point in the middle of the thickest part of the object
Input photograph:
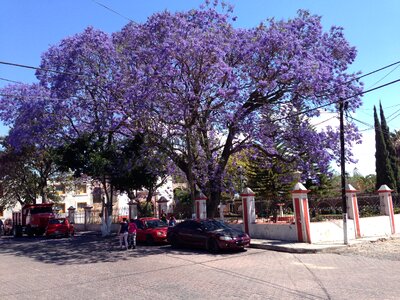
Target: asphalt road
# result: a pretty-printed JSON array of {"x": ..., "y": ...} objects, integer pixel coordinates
[{"x": 89, "y": 267}]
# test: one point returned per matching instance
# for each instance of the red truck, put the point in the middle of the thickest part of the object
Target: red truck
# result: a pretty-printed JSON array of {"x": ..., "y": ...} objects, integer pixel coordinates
[{"x": 32, "y": 219}]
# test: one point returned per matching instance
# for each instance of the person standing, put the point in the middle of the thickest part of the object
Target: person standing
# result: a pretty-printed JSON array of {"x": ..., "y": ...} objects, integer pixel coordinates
[
  {"x": 163, "y": 217},
  {"x": 172, "y": 221},
  {"x": 123, "y": 234},
  {"x": 132, "y": 234}
]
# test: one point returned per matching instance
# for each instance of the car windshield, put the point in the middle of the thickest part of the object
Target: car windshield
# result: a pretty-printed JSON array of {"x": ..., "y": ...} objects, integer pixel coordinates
[
  {"x": 155, "y": 223},
  {"x": 41, "y": 210},
  {"x": 212, "y": 225}
]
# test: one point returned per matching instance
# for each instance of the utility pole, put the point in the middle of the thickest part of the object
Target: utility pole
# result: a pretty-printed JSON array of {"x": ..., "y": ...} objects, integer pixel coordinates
[{"x": 343, "y": 173}]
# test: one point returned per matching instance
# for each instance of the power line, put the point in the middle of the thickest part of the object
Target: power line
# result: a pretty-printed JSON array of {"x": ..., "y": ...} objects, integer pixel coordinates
[
  {"x": 114, "y": 11},
  {"x": 393, "y": 113},
  {"x": 378, "y": 70},
  {"x": 336, "y": 101},
  {"x": 385, "y": 76},
  {"x": 9, "y": 80},
  {"x": 280, "y": 119},
  {"x": 334, "y": 117},
  {"x": 37, "y": 68}
]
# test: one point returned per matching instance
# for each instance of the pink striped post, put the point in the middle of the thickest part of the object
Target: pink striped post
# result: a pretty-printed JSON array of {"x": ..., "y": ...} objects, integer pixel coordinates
[
  {"x": 201, "y": 206},
  {"x": 249, "y": 210},
  {"x": 301, "y": 212},
  {"x": 352, "y": 208},
  {"x": 385, "y": 195}
]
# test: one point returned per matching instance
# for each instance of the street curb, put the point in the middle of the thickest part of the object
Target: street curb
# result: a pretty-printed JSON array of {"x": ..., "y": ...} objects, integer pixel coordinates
[{"x": 280, "y": 248}]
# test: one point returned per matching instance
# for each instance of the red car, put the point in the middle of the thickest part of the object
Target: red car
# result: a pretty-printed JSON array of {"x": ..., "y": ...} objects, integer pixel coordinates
[
  {"x": 151, "y": 230},
  {"x": 59, "y": 227},
  {"x": 210, "y": 234}
]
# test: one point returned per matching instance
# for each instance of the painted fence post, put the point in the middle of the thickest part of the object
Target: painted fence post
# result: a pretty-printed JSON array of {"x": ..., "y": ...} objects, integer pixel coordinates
[
  {"x": 301, "y": 212},
  {"x": 162, "y": 206},
  {"x": 201, "y": 206},
  {"x": 71, "y": 214},
  {"x": 88, "y": 211},
  {"x": 352, "y": 208},
  {"x": 132, "y": 209},
  {"x": 386, "y": 203},
  {"x": 221, "y": 211},
  {"x": 248, "y": 207}
]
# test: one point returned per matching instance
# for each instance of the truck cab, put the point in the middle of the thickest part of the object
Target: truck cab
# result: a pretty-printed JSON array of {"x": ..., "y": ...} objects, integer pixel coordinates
[{"x": 32, "y": 219}]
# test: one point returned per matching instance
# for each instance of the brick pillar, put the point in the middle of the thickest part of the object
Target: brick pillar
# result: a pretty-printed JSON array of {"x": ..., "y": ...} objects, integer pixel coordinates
[
  {"x": 88, "y": 210},
  {"x": 201, "y": 206},
  {"x": 385, "y": 196},
  {"x": 71, "y": 214},
  {"x": 132, "y": 209},
  {"x": 249, "y": 209},
  {"x": 352, "y": 208},
  {"x": 301, "y": 212}
]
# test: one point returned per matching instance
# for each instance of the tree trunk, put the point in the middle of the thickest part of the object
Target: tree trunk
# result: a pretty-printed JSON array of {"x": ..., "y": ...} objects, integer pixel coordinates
[{"x": 213, "y": 202}]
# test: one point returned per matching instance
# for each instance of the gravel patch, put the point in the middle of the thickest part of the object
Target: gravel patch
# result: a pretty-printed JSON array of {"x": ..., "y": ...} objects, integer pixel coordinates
[{"x": 383, "y": 248}]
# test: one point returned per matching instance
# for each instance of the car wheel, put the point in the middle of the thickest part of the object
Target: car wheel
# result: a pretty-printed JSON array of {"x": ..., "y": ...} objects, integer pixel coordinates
[
  {"x": 149, "y": 240},
  {"x": 212, "y": 246},
  {"x": 67, "y": 234},
  {"x": 73, "y": 233}
]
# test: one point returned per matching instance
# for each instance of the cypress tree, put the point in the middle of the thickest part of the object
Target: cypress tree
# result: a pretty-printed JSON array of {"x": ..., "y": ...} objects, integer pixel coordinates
[
  {"x": 390, "y": 148},
  {"x": 384, "y": 172}
]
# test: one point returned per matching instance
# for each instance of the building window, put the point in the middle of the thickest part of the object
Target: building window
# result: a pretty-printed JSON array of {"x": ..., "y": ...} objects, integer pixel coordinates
[
  {"x": 97, "y": 195},
  {"x": 60, "y": 207},
  {"x": 80, "y": 189},
  {"x": 60, "y": 189},
  {"x": 81, "y": 205}
]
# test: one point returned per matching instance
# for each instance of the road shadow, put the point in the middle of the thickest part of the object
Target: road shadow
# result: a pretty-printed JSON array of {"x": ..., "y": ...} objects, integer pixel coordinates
[
  {"x": 81, "y": 249},
  {"x": 84, "y": 248}
]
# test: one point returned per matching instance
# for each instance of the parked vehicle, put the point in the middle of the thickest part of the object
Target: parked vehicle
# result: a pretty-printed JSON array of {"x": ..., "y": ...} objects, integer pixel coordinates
[
  {"x": 209, "y": 234},
  {"x": 151, "y": 230},
  {"x": 59, "y": 227},
  {"x": 32, "y": 219}
]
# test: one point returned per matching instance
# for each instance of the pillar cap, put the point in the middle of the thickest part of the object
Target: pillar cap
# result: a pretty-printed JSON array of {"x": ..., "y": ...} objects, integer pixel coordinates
[
  {"x": 299, "y": 188},
  {"x": 247, "y": 192},
  {"x": 350, "y": 189},
  {"x": 163, "y": 200},
  {"x": 200, "y": 196},
  {"x": 384, "y": 189},
  {"x": 71, "y": 208}
]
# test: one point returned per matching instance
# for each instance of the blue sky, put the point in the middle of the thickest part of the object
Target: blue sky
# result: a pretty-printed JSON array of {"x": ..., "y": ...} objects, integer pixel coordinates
[{"x": 28, "y": 28}]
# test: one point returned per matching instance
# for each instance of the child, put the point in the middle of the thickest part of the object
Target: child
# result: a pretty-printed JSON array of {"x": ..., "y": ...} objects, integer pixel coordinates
[{"x": 132, "y": 234}]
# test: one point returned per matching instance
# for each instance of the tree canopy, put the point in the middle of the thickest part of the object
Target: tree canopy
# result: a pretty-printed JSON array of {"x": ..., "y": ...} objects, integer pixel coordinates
[{"x": 202, "y": 90}]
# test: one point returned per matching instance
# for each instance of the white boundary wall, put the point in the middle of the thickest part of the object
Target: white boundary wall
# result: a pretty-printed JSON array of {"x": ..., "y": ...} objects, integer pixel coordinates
[
  {"x": 375, "y": 226},
  {"x": 286, "y": 232},
  {"x": 322, "y": 232},
  {"x": 330, "y": 231}
]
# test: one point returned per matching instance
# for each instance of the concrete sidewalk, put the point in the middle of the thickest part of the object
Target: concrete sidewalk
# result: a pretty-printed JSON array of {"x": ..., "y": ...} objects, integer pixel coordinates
[{"x": 296, "y": 247}]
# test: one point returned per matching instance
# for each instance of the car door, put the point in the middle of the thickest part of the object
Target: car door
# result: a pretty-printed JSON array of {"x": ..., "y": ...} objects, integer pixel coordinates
[
  {"x": 140, "y": 231},
  {"x": 192, "y": 234},
  {"x": 199, "y": 235},
  {"x": 184, "y": 231}
]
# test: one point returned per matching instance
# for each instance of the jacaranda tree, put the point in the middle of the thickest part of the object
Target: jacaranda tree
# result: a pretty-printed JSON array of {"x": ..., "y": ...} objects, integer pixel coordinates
[
  {"x": 202, "y": 90},
  {"x": 210, "y": 90}
]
